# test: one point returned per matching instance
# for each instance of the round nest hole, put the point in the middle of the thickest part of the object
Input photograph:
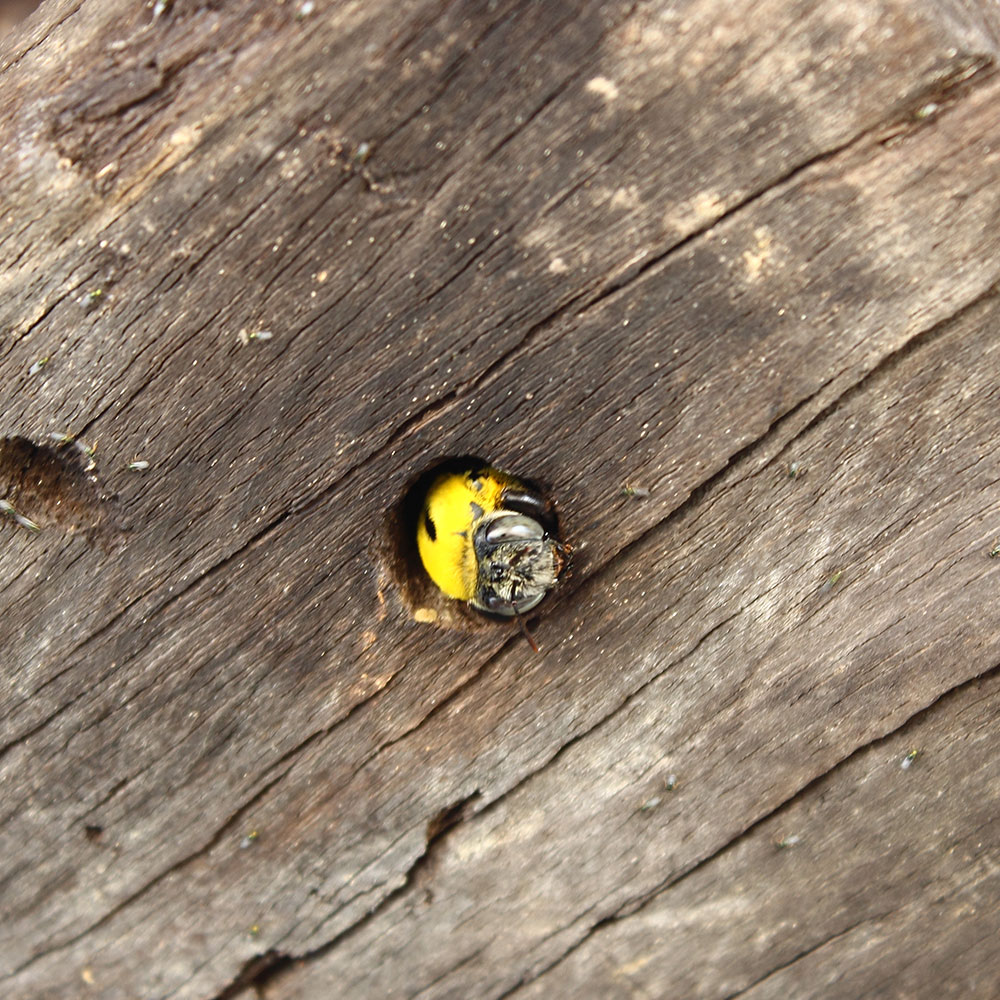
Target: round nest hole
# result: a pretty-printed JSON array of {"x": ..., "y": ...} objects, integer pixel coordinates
[{"x": 401, "y": 558}]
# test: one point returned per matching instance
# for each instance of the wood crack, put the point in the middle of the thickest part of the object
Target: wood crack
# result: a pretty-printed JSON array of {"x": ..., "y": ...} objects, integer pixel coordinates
[
  {"x": 560, "y": 88},
  {"x": 262, "y": 686},
  {"x": 43, "y": 35},
  {"x": 633, "y": 906},
  {"x": 888, "y": 363},
  {"x": 806, "y": 952},
  {"x": 587, "y": 300},
  {"x": 582, "y": 303},
  {"x": 262, "y": 969},
  {"x": 175, "y": 866}
]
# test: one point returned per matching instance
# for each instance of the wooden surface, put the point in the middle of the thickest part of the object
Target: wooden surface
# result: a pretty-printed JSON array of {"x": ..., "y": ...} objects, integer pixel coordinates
[{"x": 742, "y": 256}]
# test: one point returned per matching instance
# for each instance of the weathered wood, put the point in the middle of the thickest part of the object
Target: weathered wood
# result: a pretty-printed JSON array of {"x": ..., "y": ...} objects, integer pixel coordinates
[
  {"x": 620, "y": 244},
  {"x": 829, "y": 664},
  {"x": 877, "y": 880}
]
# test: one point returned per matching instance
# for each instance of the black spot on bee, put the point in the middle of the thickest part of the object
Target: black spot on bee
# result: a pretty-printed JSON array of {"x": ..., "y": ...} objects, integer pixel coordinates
[
  {"x": 477, "y": 511},
  {"x": 429, "y": 525}
]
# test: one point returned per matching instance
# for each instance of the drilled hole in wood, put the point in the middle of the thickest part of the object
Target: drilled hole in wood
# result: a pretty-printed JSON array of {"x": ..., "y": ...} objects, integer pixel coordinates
[
  {"x": 420, "y": 595},
  {"x": 50, "y": 486},
  {"x": 401, "y": 556}
]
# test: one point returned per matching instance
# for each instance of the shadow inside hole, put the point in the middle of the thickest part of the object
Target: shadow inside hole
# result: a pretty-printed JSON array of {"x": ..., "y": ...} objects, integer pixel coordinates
[
  {"x": 401, "y": 557},
  {"x": 50, "y": 485}
]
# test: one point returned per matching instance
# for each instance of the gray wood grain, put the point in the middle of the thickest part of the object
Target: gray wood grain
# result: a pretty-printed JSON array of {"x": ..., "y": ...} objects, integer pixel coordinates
[{"x": 672, "y": 247}]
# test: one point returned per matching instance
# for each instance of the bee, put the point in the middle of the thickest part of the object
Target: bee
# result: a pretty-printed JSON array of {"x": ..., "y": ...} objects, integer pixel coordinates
[{"x": 490, "y": 539}]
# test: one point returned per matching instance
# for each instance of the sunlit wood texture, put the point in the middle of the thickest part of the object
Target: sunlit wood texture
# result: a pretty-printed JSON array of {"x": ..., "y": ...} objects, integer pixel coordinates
[{"x": 721, "y": 275}]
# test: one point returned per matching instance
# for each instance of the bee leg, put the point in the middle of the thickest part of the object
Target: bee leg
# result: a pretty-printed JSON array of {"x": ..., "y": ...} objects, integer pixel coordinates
[{"x": 527, "y": 634}]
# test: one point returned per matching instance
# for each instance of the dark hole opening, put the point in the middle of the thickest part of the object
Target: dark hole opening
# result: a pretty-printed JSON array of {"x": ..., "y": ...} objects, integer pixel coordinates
[
  {"x": 52, "y": 486},
  {"x": 421, "y": 596}
]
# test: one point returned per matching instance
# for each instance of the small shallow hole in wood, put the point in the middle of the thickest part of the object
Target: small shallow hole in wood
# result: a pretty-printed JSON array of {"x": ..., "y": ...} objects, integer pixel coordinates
[
  {"x": 51, "y": 486},
  {"x": 401, "y": 558}
]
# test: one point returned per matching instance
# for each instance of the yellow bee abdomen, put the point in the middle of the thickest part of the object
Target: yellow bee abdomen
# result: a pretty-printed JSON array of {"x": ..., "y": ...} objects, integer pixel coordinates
[{"x": 454, "y": 504}]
